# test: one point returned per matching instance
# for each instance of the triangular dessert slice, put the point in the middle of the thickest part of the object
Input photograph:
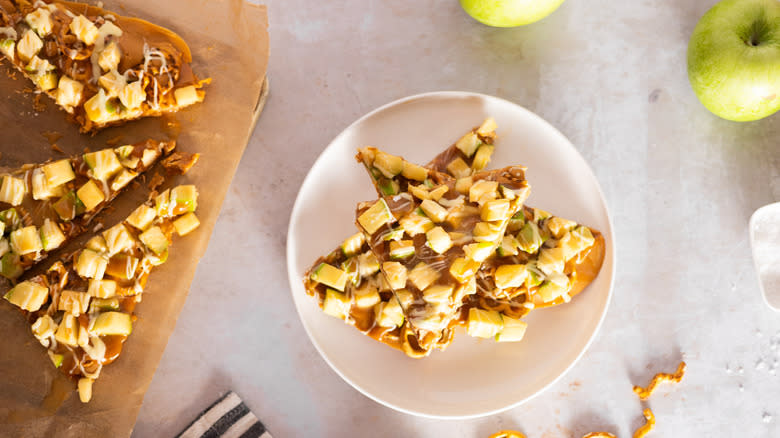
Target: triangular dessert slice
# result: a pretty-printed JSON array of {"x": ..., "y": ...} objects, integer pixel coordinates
[
  {"x": 81, "y": 309},
  {"x": 101, "y": 68},
  {"x": 432, "y": 236},
  {"x": 357, "y": 292},
  {"x": 44, "y": 205}
]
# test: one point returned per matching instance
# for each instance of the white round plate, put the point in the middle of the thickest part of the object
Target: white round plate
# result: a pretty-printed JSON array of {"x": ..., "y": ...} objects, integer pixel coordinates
[{"x": 473, "y": 377}]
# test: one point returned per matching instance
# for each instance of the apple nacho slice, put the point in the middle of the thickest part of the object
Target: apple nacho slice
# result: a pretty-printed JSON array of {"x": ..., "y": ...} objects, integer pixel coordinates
[
  {"x": 101, "y": 68},
  {"x": 42, "y": 206},
  {"x": 432, "y": 236},
  {"x": 365, "y": 300},
  {"x": 81, "y": 308}
]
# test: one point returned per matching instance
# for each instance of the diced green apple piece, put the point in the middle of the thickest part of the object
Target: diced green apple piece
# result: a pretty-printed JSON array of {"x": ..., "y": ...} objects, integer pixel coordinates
[
  {"x": 58, "y": 173},
  {"x": 104, "y": 164},
  {"x": 479, "y": 252},
  {"x": 366, "y": 296},
  {"x": 423, "y": 275},
  {"x": 91, "y": 264},
  {"x": 482, "y": 157},
  {"x": 414, "y": 172},
  {"x": 90, "y": 195},
  {"x": 508, "y": 246},
  {"x": 8, "y": 48},
  {"x": 142, "y": 217},
  {"x": 555, "y": 286},
  {"x": 395, "y": 274},
  {"x": 487, "y": 128},
  {"x": 530, "y": 238},
  {"x": 26, "y": 240},
  {"x": 12, "y": 190},
  {"x": 113, "y": 323},
  {"x": 350, "y": 267},
  {"x": 488, "y": 232},
  {"x": 352, "y": 244},
  {"x": 330, "y": 276},
  {"x": 11, "y": 266},
  {"x": 118, "y": 239},
  {"x": 416, "y": 223},
  {"x": 29, "y": 45},
  {"x": 122, "y": 179},
  {"x": 68, "y": 330},
  {"x": 510, "y": 276},
  {"x": 579, "y": 239},
  {"x": 367, "y": 264},
  {"x": 376, "y": 216},
  {"x": 5, "y": 247},
  {"x": 483, "y": 191},
  {"x": 484, "y": 323},
  {"x": 336, "y": 304},
  {"x": 28, "y": 296},
  {"x": 102, "y": 304},
  {"x": 433, "y": 210},
  {"x": 123, "y": 266},
  {"x": 389, "y": 313},
  {"x": 459, "y": 168},
  {"x": 154, "y": 239},
  {"x": 438, "y": 240},
  {"x": 463, "y": 269},
  {"x": 11, "y": 219},
  {"x": 41, "y": 189},
  {"x": 186, "y": 224},
  {"x": 102, "y": 288},
  {"x": 513, "y": 331},
  {"x": 495, "y": 210},
  {"x": 69, "y": 206},
  {"x": 437, "y": 294},
  {"x": 97, "y": 244},
  {"x": 51, "y": 235},
  {"x": 73, "y": 302},
  {"x": 389, "y": 165},
  {"x": 394, "y": 234},
  {"x": 535, "y": 276},
  {"x": 559, "y": 226},
  {"x": 186, "y": 96},
  {"x": 550, "y": 260},
  {"x": 184, "y": 199},
  {"x": 401, "y": 249},
  {"x": 468, "y": 144}
]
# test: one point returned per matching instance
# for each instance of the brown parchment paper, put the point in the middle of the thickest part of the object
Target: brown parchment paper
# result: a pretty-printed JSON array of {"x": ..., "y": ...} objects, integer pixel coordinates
[{"x": 229, "y": 43}]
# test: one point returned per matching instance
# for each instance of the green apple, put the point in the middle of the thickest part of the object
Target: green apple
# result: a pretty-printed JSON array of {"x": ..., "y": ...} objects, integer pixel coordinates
[
  {"x": 734, "y": 59},
  {"x": 509, "y": 13}
]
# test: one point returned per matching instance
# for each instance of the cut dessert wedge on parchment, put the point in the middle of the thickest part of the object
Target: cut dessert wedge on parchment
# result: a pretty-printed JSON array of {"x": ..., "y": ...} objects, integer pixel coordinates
[
  {"x": 101, "y": 68},
  {"x": 432, "y": 236},
  {"x": 42, "y": 206},
  {"x": 81, "y": 308}
]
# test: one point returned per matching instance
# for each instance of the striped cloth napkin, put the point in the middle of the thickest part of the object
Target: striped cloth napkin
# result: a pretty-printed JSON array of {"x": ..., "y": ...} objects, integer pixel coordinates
[{"x": 228, "y": 417}]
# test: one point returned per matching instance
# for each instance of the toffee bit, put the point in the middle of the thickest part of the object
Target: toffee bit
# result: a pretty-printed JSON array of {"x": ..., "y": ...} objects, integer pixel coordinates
[
  {"x": 645, "y": 393},
  {"x": 38, "y": 103},
  {"x": 56, "y": 148},
  {"x": 179, "y": 163},
  {"x": 155, "y": 182},
  {"x": 51, "y": 136},
  {"x": 648, "y": 426},
  {"x": 114, "y": 140}
]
